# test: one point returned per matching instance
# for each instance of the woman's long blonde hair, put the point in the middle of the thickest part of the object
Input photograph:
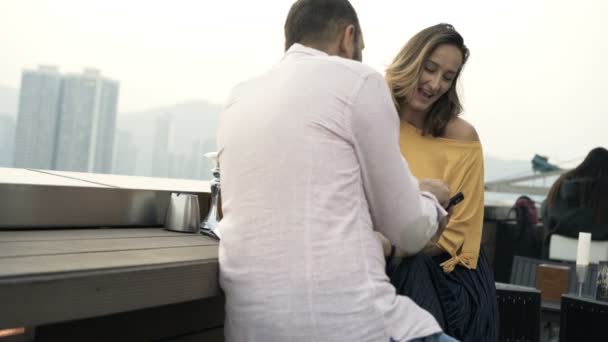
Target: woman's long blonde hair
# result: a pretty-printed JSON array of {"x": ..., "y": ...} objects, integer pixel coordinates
[{"x": 404, "y": 73}]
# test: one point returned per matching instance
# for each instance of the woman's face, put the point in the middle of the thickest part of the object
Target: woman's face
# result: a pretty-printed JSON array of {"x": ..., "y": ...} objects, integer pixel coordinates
[{"x": 438, "y": 73}]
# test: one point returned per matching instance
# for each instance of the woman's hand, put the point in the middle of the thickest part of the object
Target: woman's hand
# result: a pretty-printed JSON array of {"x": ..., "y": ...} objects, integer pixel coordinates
[{"x": 437, "y": 187}]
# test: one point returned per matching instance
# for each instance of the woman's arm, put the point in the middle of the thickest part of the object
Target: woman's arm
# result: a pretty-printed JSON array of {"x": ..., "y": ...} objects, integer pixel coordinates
[{"x": 457, "y": 129}]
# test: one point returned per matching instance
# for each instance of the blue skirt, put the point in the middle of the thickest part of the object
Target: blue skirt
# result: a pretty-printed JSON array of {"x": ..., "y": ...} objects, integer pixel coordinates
[{"x": 463, "y": 301}]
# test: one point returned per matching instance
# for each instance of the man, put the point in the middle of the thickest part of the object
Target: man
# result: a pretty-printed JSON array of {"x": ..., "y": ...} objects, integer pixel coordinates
[{"x": 310, "y": 167}]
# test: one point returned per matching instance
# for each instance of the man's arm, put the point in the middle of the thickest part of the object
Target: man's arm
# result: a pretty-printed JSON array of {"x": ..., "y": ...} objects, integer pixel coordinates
[
  {"x": 399, "y": 210},
  {"x": 431, "y": 247}
]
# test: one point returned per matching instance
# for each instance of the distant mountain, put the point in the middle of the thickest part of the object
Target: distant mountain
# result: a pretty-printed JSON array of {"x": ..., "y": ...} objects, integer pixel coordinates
[
  {"x": 192, "y": 118},
  {"x": 499, "y": 169},
  {"x": 496, "y": 168},
  {"x": 194, "y": 130},
  {"x": 9, "y": 97},
  {"x": 194, "y": 126}
]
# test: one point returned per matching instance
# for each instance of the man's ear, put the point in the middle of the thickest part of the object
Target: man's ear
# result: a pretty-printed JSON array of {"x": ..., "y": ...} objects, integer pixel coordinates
[{"x": 347, "y": 44}]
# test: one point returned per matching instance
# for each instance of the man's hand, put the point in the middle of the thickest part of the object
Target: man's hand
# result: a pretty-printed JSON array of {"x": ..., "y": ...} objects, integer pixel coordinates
[
  {"x": 437, "y": 187},
  {"x": 431, "y": 248}
]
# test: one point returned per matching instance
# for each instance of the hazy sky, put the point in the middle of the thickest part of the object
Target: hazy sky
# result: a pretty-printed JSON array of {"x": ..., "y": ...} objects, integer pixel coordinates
[{"x": 534, "y": 83}]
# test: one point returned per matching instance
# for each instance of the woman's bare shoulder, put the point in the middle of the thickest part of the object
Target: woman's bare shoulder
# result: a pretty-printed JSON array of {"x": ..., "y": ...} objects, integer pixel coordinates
[{"x": 460, "y": 129}]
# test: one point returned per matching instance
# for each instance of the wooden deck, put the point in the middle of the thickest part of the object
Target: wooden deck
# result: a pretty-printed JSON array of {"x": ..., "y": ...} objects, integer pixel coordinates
[{"x": 51, "y": 276}]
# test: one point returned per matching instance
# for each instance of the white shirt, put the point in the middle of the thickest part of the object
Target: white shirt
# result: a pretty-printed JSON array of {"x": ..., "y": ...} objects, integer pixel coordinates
[{"x": 310, "y": 166}]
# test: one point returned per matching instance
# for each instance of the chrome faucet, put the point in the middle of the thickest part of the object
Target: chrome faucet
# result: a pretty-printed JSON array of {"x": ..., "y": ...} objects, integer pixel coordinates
[{"x": 210, "y": 226}]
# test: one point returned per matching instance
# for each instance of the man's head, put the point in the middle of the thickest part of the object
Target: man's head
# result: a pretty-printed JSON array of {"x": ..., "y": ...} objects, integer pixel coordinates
[{"x": 327, "y": 25}]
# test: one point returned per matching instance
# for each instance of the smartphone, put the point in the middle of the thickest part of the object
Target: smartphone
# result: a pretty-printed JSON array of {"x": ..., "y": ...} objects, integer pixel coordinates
[{"x": 455, "y": 200}]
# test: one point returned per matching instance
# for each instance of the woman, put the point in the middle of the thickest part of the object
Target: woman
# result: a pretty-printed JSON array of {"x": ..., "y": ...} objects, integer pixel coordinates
[
  {"x": 450, "y": 278},
  {"x": 578, "y": 200}
]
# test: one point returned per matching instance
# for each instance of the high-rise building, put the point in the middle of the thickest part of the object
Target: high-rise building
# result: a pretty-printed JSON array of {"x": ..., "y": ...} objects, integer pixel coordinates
[
  {"x": 66, "y": 122},
  {"x": 37, "y": 118},
  {"x": 208, "y": 145},
  {"x": 87, "y": 123},
  {"x": 125, "y": 154},
  {"x": 7, "y": 140},
  {"x": 163, "y": 147}
]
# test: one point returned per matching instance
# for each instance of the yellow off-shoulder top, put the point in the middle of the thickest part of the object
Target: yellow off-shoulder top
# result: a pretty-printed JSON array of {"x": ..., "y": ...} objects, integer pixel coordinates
[{"x": 460, "y": 164}]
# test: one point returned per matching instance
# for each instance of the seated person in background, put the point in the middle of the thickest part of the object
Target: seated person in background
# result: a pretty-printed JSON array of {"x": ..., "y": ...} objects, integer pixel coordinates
[
  {"x": 450, "y": 278},
  {"x": 578, "y": 200}
]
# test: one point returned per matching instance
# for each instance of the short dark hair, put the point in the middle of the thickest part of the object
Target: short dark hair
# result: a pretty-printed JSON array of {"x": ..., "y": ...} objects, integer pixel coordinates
[{"x": 318, "y": 21}]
